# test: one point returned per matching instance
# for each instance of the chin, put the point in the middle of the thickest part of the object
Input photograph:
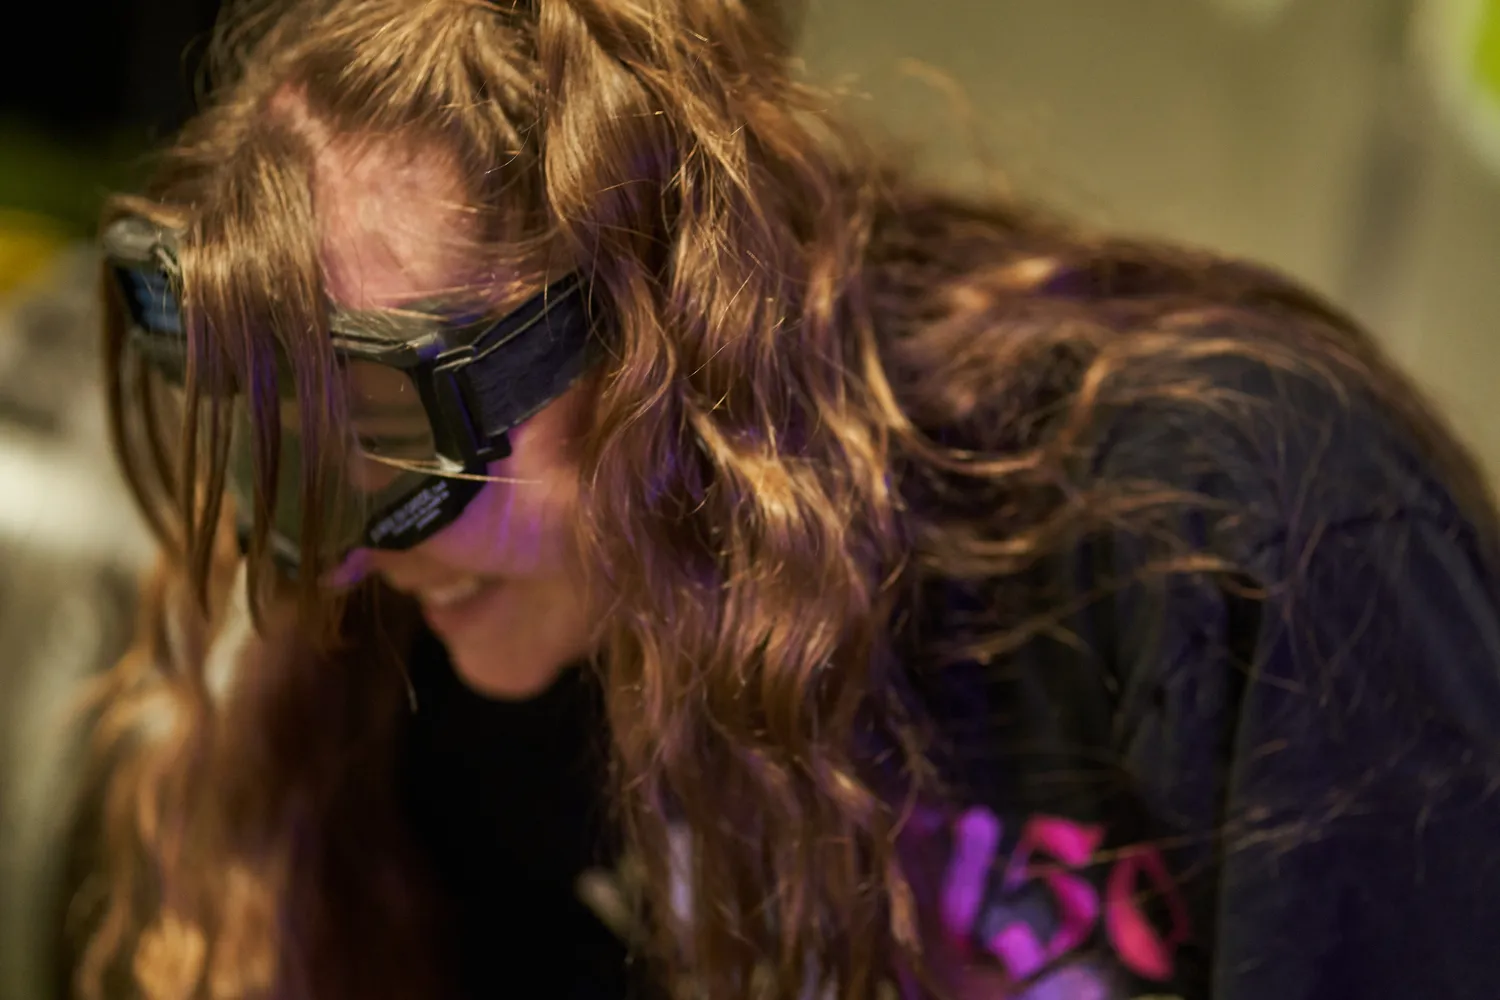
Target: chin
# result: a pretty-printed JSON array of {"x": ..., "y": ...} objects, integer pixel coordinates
[{"x": 502, "y": 681}]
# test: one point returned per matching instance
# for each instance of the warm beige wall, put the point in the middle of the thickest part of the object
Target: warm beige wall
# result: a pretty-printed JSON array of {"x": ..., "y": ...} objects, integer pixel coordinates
[
  {"x": 1172, "y": 116},
  {"x": 1447, "y": 322}
]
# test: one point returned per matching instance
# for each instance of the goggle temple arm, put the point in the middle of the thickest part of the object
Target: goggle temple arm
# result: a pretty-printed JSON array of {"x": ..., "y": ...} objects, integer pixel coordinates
[{"x": 458, "y": 400}]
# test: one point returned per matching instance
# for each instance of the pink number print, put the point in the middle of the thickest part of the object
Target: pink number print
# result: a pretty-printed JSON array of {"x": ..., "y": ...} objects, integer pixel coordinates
[
  {"x": 1141, "y": 948},
  {"x": 1053, "y": 851},
  {"x": 1069, "y": 846}
]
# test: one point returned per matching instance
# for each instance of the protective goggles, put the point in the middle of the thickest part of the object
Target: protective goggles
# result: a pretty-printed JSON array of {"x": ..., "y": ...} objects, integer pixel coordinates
[{"x": 430, "y": 399}]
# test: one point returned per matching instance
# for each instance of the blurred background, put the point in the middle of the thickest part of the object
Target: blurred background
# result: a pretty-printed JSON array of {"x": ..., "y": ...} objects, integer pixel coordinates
[{"x": 1352, "y": 143}]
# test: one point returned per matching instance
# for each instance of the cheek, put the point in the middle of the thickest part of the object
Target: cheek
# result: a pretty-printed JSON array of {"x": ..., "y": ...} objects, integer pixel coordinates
[
  {"x": 510, "y": 528},
  {"x": 524, "y": 525}
]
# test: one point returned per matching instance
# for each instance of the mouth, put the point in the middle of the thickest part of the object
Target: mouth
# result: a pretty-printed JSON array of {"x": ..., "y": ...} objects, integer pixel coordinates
[
  {"x": 449, "y": 594},
  {"x": 454, "y": 607}
]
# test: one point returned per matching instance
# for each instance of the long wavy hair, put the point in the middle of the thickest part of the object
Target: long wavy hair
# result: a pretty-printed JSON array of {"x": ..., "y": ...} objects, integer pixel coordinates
[{"x": 811, "y": 356}]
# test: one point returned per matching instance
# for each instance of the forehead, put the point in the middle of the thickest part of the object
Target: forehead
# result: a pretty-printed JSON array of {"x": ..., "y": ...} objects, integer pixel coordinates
[{"x": 393, "y": 224}]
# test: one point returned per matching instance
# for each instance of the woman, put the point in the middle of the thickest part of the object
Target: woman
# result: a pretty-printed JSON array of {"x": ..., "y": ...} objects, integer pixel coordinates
[{"x": 667, "y": 534}]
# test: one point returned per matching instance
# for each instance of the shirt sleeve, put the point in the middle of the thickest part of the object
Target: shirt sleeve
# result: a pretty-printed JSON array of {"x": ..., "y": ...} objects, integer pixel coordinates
[
  {"x": 1318, "y": 734},
  {"x": 1360, "y": 824}
]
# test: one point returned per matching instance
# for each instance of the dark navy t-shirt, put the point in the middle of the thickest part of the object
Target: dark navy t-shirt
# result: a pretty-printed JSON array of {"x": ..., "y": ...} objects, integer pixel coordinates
[
  {"x": 1255, "y": 759},
  {"x": 507, "y": 800}
]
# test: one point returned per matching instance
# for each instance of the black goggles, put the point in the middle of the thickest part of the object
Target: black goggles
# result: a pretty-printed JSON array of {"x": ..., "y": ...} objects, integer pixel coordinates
[{"x": 431, "y": 401}]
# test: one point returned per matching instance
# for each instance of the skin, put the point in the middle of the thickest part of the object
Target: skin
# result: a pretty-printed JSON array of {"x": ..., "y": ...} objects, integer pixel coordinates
[
  {"x": 388, "y": 232},
  {"x": 389, "y": 228}
]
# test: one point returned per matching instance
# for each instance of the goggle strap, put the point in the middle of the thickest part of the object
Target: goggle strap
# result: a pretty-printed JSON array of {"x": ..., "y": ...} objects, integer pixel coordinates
[{"x": 498, "y": 379}]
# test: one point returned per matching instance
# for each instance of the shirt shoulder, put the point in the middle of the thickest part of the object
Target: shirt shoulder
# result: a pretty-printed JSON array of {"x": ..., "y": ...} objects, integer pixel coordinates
[{"x": 1287, "y": 453}]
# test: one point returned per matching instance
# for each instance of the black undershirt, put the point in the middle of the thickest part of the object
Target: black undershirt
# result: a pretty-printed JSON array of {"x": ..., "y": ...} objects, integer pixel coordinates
[{"x": 507, "y": 801}]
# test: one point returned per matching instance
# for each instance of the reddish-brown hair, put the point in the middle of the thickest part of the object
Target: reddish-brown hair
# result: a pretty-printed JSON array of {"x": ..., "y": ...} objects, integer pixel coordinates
[{"x": 797, "y": 335}]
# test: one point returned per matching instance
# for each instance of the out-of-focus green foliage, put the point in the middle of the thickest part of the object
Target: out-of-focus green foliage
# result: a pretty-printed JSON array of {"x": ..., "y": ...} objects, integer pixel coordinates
[
  {"x": 1487, "y": 50},
  {"x": 61, "y": 180}
]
